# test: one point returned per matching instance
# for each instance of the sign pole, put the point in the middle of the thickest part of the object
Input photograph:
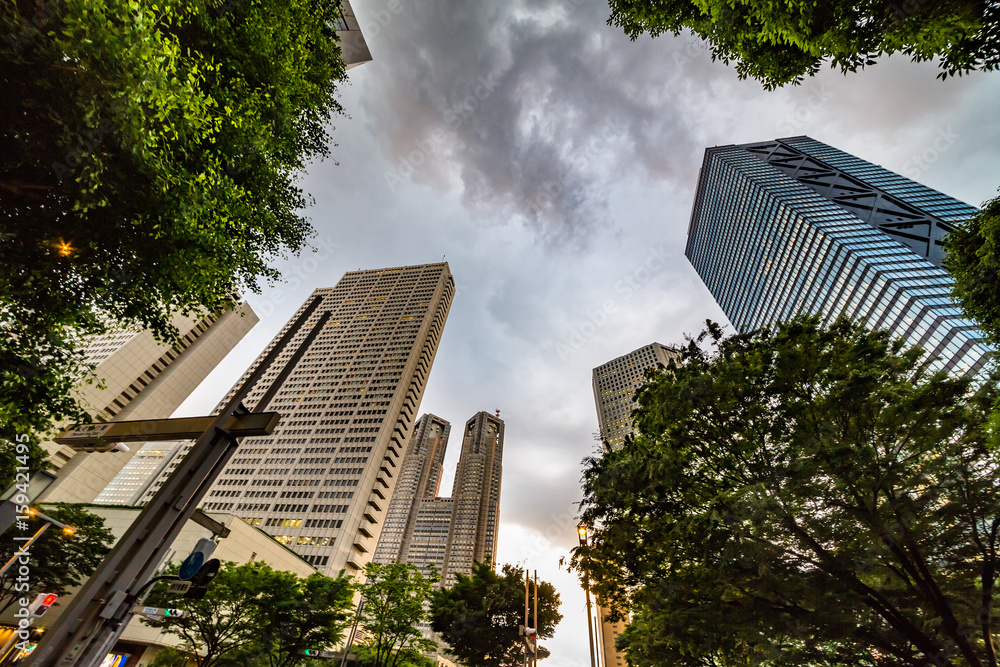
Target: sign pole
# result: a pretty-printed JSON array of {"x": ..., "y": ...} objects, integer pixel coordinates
[{"x": 81, "y": 634}]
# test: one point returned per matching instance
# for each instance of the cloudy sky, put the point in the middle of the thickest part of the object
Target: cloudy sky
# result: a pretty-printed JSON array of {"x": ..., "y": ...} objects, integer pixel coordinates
[{"x": 547, "y": 158}]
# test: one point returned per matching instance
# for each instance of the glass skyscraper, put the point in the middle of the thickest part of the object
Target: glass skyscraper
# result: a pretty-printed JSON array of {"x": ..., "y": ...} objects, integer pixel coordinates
[{"x": 794, "y": 225}]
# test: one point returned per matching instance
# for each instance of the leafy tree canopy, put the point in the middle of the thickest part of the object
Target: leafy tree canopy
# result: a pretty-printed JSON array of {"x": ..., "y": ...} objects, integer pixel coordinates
[
  {"x": 148, "y": 157},
  {"x": 801, "y": 496},
  {"x": 780, "y": 43},
  {"x": 479, "y": 617},
  {"x": 395, "y": 597},
  {"x": 256, "y": 616},
  {"x": 58, "y": 561},
  {"x": 973, "y": 258}
]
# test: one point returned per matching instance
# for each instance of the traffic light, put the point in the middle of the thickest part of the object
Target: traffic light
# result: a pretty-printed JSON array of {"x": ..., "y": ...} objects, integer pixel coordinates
[
  {"x": 42, "y": 603},
  {"x": 311, "y": 651},
  {"x": 530, "y": 636},
  {"x": 196, "y": 559},
  {"x": 201, "y": 580}
]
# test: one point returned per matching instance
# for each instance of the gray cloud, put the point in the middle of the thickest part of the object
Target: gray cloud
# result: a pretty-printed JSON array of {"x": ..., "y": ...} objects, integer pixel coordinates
[{"x": 531, "y": 107}]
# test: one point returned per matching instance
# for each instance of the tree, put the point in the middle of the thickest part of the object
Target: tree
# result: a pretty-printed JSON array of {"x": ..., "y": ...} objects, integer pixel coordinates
[
  {"x": 58, "y": 561},
  {"x": 394, "y": 598},
  {"x": 801, "y": 496},
  {"x": 148, "y": 155},
  {"x": 255, "y": 615},
  {"x": 973, "y": 258},
  {"x": 298, "y": 614},
  {"x": 408, "y": 657},
  {"x": 780, "y": 43},
  {"x": 479, "y": 617}
]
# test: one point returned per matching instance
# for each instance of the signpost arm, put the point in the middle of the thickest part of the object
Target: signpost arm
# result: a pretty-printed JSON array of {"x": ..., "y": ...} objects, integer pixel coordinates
[{"x": 81, "y": 634}]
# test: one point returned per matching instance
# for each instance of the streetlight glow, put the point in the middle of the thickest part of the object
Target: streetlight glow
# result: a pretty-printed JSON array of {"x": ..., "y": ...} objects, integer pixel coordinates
[
  {"x": 582, "y": 532},
  {"x": 64, "y": 249}
]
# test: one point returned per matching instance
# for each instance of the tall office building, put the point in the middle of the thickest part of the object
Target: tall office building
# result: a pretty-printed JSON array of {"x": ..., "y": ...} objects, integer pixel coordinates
[
  {"x": 141, "y": 379},
  {"x": 322, "y": 481},
  {"x": 614, "y": 386},
  {"x": 794, "y": 225},
  {"x": 130, "y": 485},
  {"x": 449, "y": 534},
  {"x": 353, "y": 47}
]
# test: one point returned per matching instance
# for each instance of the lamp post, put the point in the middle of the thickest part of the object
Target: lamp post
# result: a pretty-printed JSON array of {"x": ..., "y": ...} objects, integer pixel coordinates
[
  {"x": 48, "y": 521},
  {"x": 582, "y": 532}
]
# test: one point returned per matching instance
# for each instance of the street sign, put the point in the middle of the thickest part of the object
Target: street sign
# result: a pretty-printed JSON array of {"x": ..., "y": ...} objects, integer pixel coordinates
[
  {"x": 104, "y": 437},
  {"x": 157, "y": 612},
  {"x": 197, "y": 558},
  {"x": 316, "y": 653},
  {"x": 178, "y": 587}
]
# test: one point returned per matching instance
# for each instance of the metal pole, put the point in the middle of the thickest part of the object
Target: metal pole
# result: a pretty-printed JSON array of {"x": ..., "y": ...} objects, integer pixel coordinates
[
  {"x": 354, "y": 628},
  {"x": 23, "y": 550},
  {"x": 527, "y": 656},
  {"x": 93, "y": 615},
  {"x": 602, "y": 641},
  {"x": 590, "y": 631},
  {"x": 534, "y": 656}
]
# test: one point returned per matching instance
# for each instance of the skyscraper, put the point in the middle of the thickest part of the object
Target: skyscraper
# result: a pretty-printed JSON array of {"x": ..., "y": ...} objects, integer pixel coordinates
[
  {"x": 141, "y": 379},
  {"x": 353, "y": 48},
  {"x": 449, "y": 534},
  {"x": 130, "y": 485},
  {"x": 322, "y": 481},
  {"x": 794, "y": 225},
  {"x": 614, "y": 385}
]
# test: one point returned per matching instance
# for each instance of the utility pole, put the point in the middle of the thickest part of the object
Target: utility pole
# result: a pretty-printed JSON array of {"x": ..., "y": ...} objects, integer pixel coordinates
[
  {"x": 85, "y": 631},
  {"x": 582, "y": 532},
  {"x": 527, "y": 654},
  {"x": 534, "y": 656}
]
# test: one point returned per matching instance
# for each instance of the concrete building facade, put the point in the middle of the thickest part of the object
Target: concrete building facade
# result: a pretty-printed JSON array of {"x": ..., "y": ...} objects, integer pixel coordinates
[
  {"x": 447, "y": 534},
  {"x": 615, "y": 383},
  {"x": 353, "y": 47},
  {"x": 130, "y": 485},
  {"x": 141, "y": 378},
  {"x": 322, "y": 482}
]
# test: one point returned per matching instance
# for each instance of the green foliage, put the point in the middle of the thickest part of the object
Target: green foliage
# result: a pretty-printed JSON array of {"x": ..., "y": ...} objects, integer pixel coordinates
[
  {"x": 168, "y": 656},
  {"x": 58, "y": 561},
  {"x": 803, "y": 496},
  {"x": 395, "y": 595},
  {"x": 973, "y": 258},
  {"x": 407, "y": 657},
  {"x": 148, "y": 156},
  {"x": 480, "y": 615},
  {"x": 256, "y": 616},
  {"x": 780, "y": 43}
]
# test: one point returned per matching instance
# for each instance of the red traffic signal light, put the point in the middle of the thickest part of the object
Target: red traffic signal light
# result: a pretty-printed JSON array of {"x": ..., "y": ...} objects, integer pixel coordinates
[{"x": 49, "y": 600}]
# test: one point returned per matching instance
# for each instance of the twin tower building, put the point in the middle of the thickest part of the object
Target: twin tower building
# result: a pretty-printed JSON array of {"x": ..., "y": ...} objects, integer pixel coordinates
[{"x": 341, "y": 480}]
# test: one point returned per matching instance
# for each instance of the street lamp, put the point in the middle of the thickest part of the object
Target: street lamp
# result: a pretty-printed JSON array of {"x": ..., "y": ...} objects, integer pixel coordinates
[
  {"x": 49, "y": 521},
  {"x": 581, "y": 530}
]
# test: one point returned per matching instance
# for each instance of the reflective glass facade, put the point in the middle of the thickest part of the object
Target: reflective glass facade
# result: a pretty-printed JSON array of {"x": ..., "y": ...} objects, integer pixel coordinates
[{"x": 795, "y": 225}]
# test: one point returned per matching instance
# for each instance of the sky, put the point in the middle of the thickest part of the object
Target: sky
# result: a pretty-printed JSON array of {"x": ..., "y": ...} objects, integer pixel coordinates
[{"x": 552, "y": 163}]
